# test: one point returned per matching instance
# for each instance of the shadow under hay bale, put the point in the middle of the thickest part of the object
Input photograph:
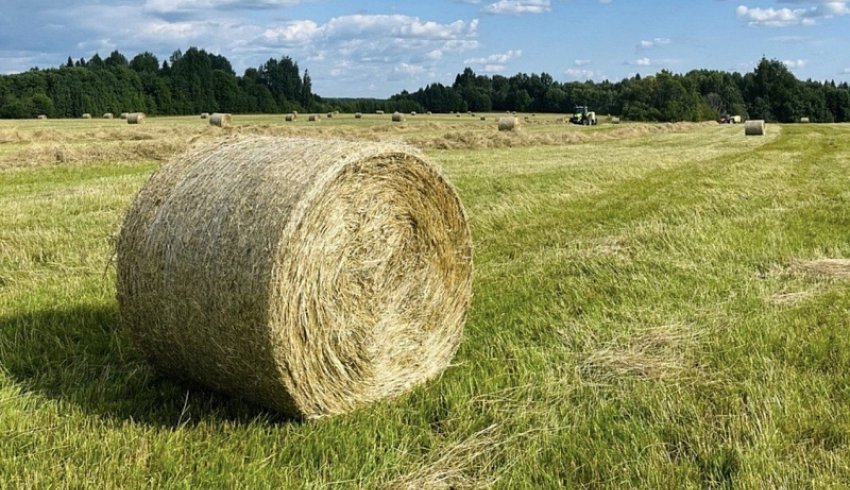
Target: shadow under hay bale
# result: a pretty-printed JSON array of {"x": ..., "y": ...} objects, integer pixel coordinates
[
  {"x": 754, "y": 127},
  {"x": 221, "y": 120},
  {"x": 310, "y": 276}
]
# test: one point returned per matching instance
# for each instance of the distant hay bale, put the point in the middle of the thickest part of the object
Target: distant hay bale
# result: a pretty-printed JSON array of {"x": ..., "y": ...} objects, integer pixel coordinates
[
  {"x": 336, "y": 113},
  {"x": 313, "y": 118},
  {"x": 205, "y": 115},
  {"x": 428, "y": 113},
  {"x": 412, "y": 113},
  {"x": 136, "y": 118},
  {"x": 754, "y": 127},
  {"x": 483, "y": 118},
  {"x": 358, "y": 115},
  {"x": 221, "y": 119},
  {"x": 108, "y": 115},
  {"x": 615, "y": 120},
  {"x": 310, "y": 276},
  {"x": 295, "y": 113},
  {"x": 330, "y": 115},
  {"x": 42, "y": 116},
  {"x": 508, "y": 124},
  {"x": 804, "y": 120},
  {"x": 457, "y": 115},
  {"x": 379, "y": 112},
  {"x": 398, "y": 117},
  {"x": 86, "y": 116},
  {"x": 124, "y": 115},
  {"x": 289, "y": 117}
]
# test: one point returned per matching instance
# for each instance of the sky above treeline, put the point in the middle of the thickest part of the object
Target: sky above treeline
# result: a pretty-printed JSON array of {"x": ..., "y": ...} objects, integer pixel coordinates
[{"x": 376, "y": 48}]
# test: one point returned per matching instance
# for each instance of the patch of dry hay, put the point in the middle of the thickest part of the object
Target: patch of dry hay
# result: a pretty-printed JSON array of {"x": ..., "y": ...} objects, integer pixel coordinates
[
  {"x": 311, "y": 276},
  {"x": 825, "y": 268}
]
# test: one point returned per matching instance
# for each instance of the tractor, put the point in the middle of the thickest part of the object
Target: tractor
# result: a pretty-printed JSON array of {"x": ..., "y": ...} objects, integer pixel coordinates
[{"x": 583, "y": 116}]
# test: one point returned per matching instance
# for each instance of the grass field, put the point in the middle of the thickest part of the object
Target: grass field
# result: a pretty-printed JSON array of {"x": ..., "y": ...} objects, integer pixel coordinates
[{"x": 656, "y": 306}]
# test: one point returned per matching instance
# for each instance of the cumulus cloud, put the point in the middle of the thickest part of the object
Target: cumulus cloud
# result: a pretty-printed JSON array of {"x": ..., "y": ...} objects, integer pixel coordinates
[
  {"x": 795, "y": 63},
  {"x": 643, "y": 62},
  {"x": 498, "y": 58},
  {"x": 806, "y": 15},
  {"x": 650, "y": 43},
  {"x": 579, "y": 73},
  {"x": 518, "y": 7},
  {"x": 167, "y": 6}
]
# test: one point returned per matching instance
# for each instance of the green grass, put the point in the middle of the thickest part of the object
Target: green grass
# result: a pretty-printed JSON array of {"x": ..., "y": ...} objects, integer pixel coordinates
[{"x": 643, "y": 317}]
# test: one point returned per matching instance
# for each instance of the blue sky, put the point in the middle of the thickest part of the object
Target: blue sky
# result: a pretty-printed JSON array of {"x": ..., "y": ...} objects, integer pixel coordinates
[{"x": 377, "y": 48}]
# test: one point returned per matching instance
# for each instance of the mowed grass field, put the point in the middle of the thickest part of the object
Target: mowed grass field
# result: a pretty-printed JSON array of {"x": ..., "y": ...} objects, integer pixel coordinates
[{"x": 656, "y": 306}]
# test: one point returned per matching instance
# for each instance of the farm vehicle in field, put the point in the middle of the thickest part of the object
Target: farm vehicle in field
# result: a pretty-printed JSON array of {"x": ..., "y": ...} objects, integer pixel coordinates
[
  {"x": 583, "y": 116},
  {"x": 728, "y": 119}
]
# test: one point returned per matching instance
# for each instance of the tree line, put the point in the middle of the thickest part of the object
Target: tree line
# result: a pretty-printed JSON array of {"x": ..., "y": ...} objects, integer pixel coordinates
[
  {"x": 186, "y": 83},
  {"x": 197, "y": 81}
]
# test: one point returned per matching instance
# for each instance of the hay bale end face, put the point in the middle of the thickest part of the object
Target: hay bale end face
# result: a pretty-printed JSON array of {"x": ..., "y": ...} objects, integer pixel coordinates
[
  {"x": 508, "y": 124},
  {"x": 398, "y": 117},
  {"x": 136, "y": 118},
  {"x": 310, "y": 276},
  {"x": 221, "y": 120},
  {"x": 754, "y": 127}
]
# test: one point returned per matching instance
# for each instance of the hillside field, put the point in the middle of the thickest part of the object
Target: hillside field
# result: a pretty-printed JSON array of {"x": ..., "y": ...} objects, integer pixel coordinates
[{"x": 656, "y": 306}]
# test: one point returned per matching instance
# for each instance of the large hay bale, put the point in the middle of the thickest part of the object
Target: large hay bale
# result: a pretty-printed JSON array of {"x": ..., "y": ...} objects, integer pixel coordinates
[
  {"x": 508, "y": 124},
  {"x": 310, "y": 276},
  {"x": 398, "y": 117},
  {"x": 289, "y": 117},
  {"x": 805, "y": 120},
  {"x": 220, "y": 119},
  {"x": 754, "y": 127},
  {"x": 86, "y": 116},
  {"x": 205, "y": 115},
  {"x": 108, "y": 115},
  {"x": 136, "y": 118},
  {"x": 358, "y": 115},
  {"x": 312, "y": 118}
]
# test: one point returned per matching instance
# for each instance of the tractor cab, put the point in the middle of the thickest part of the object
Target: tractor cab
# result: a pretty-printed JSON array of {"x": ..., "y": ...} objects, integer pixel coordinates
[{"x": 583, "y": 116}]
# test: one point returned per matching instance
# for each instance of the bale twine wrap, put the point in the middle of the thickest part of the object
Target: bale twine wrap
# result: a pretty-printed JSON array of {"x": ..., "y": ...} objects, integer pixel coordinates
[
  {"x": 508, "y": 123},
  {"x": 108, "y": 115},
  {"x": 136, "y": 118},
  {"x": 398, "y": 117},
  {"x": 220, "y": 119},
  {"x": 754, "y": 127},
  {"x": 86, "y": 116},
  {"x": 312, "y": 277}
]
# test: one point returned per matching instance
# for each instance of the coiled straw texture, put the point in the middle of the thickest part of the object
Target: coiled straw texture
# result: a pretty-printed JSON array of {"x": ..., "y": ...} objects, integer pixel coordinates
[{"x": 313, "y": 277}]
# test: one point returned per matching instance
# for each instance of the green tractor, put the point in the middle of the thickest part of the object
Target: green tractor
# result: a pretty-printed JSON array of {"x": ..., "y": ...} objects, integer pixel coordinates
[{"x": 583, "y": 116}]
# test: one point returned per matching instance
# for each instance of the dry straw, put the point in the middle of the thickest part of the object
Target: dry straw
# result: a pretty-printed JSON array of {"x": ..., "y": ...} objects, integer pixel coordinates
[
  {"x": 136, "y": 118},
  {"x": 221, "y": 120},
  {"x": 311, "y": 276},
  {"x": 508, "y": 124},
  {"x": 108, "y": 115},
  {"x": 398, "y": 117},
  {"x": 754, "y": 127}
]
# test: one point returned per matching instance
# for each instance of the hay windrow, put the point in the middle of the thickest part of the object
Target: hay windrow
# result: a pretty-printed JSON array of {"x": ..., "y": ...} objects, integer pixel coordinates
[{"x": 355, "y": 288}]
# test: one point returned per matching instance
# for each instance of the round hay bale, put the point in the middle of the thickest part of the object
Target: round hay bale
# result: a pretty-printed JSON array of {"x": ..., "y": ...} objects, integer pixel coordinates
[
  {"x": 289, "y": 117},
  {"x": 86, "y": 116},
  {"x": 457, "y": 115},
  {"x": 42, "y": 116},
  {"x": 124, "y": 115},
  {"x": 615, "y": 120},
  {"x": 428, "y": 113},
  {"x": 805, "y": 120},
  {"x": 310, "y": 276},
  {"x": 205, "y": 115},
  {"x": 295, "y": 113},
  {"x": 330, "y": 115},
  {"x": 221, "y": 120},
  {"x": 508, "y": 124},
  {"x": 136, "y": 118},
  {"x": 358, "y": 115},
  {"x": 379, "y": 112},
  {"x": 483, "y": 118},
  {"x": 398, "y": 117},
  {"x": 412, "y": 113},
  {"x": 108, "y": 115},
  {"x": 754, "y": 127},
  {"x": 312, "y": 118}
]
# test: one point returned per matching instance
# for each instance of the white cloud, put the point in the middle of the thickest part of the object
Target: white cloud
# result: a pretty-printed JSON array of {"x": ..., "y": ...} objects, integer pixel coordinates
[
  {"x": 518, "y": 7},
  {"x": 643, "y": 61},
  {"x": 783, "y": 17},
  {"x": 581, "y": 62},
  {"x": 579, "y": 73},
  {"x": 496, "y": 59},
  {"x": 658, "y": 41},
  {"x": 795, "y": 63},
  {"x": 168, "y": 6}
]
